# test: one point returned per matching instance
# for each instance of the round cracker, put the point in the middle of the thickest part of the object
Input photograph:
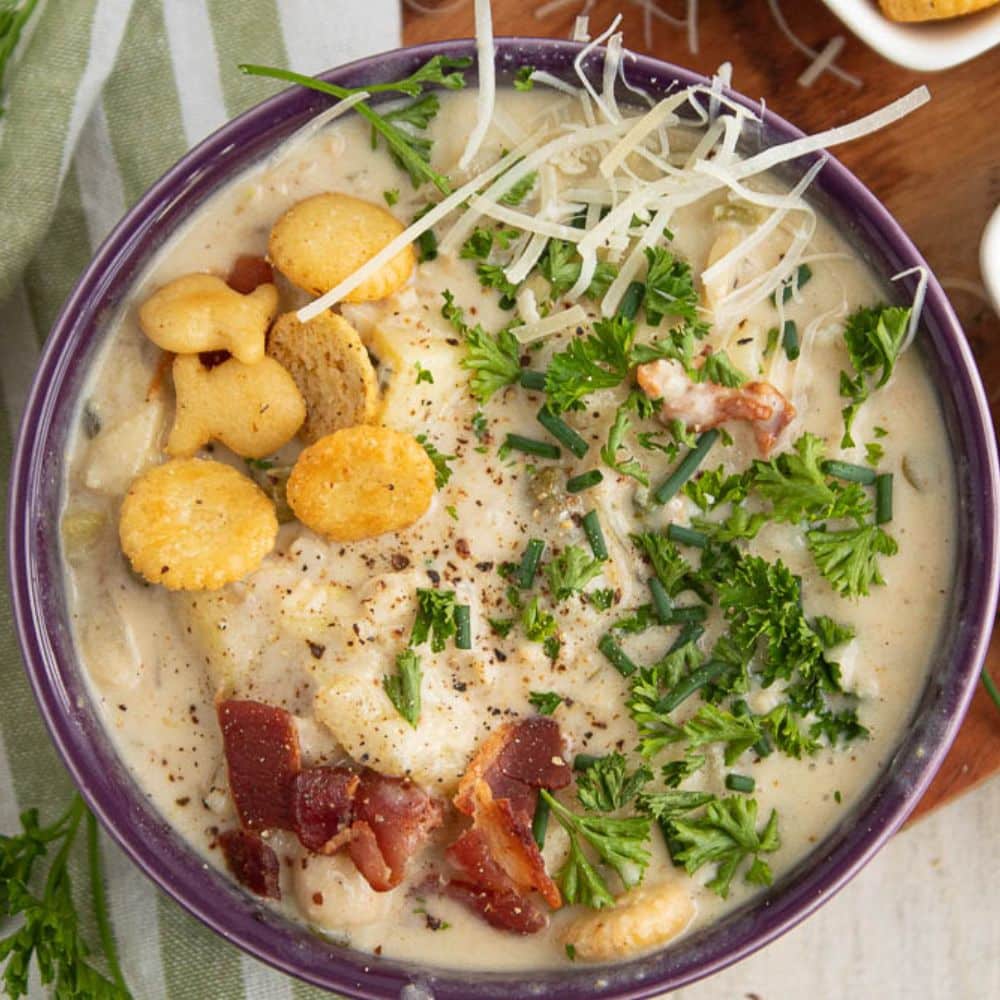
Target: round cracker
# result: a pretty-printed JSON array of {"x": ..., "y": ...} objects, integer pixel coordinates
[
  {"x": 360, "y": 482},
  {"x": 322, "y": 240},
  {"x": 931, "y": 10},
  {"x": 331, "y": 368},
  {"x": 195, "y": 524}
]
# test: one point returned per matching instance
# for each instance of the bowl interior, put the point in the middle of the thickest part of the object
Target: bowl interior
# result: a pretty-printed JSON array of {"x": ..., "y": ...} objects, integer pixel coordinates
[{"x": 41, "y": 614}]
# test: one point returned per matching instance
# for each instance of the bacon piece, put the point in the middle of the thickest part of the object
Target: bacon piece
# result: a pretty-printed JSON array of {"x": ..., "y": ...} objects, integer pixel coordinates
[
  {"x": 323, "y": 807},
  {"x": 507, "y": 910},
  {"x": 702, "y": 405},
  {"x": 515, "y": 761},
  {"x": 488, "y": 890},
  {"x": 247, "y": 273},
  {"x": 262, "y": 755},
  {"x": 252, "y": 862},
  {"x": 392, "y": 818}
]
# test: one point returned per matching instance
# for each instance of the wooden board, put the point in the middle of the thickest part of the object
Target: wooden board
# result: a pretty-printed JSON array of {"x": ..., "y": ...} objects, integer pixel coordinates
[{"x": 938, "y": 172}]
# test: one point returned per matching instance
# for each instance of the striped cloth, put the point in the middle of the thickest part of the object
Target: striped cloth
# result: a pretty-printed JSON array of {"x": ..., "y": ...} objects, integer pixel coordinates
[{"x": 107, "y": 94}]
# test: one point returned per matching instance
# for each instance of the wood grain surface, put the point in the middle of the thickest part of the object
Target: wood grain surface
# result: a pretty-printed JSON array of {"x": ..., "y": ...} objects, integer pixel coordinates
[{"x": 937, "y": 171}]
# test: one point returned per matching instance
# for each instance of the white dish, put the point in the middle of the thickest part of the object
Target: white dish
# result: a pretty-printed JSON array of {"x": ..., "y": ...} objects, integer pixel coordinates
[
  {"x": 928, "y": 46},
  {"x": 989, "y": 258}
]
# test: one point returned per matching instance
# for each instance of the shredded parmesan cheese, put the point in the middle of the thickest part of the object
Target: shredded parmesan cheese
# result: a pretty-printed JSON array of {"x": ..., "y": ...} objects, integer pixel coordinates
[
  {"x": 783, "y": 27},
  {"x": 918, "y": 301},
  {"x": 530, "y": 332},
  {"x": 486, "y": 95},
  {"x": 822, "y": 62}
]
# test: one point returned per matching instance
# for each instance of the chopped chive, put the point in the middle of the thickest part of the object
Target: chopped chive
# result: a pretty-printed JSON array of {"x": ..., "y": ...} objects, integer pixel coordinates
[
  {"x": 540, "y": 821},
  {"x": 849, "y": 472},
  {"x": 691, "y": 632},
  {"x": 631, "y": 300},
  {"x": 687, "y": 536},
  {"x": 740, "y": 783},
  {"x": 694, "y": 681},
  {"x": 592, "y": 529},
  {"x": 801, "y": 277},
  {"x": 463, "y": 626},
  {"x": 685, "y": 613},
  {"x": 686, "y": 469},
  {"x": 584, "y": 760},
  {"x": 661, "y": 599},
  {"x": 577, "y": 484},
  {"x": 562, "y": 432},
  {"x": 529, "y": 563},
  {"x": 790, "y": 340},
  {"x": 616, "y": 655},
  {"x": 883, "y": 498},
  {"x": 531, "y": 379},
  {"x": 532, "y": 447}
]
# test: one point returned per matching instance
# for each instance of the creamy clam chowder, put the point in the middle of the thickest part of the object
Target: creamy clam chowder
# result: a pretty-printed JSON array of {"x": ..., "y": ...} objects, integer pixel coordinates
[{"x": 527, "y": 623}]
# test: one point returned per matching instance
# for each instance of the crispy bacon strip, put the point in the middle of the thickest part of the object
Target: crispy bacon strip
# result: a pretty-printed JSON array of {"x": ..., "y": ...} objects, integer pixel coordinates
[
  {"x": 500, "y": 791},
  {"x": 392, "y": 819},
  {"x": 247, "y": 273},
  {"x": 262, "y": 756},
  {"x": 702, "y": 405},
  {"x": 323, "y": 807},
  {"x": 515, "y": 761},
  {"x": 486, "y": 888},
  {"x": 252, "y": 862}
]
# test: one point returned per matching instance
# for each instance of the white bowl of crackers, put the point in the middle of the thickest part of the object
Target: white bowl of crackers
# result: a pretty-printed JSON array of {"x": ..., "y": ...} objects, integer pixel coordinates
[{"x": 923, "y": 35}]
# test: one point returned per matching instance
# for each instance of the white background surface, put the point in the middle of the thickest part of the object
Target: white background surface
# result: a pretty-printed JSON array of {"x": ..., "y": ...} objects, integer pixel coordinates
[{"x": 922, "y": 920}]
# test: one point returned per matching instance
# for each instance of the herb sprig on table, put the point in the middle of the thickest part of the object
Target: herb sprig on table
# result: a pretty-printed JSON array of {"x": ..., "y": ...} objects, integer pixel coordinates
[
  {"x": 411, "y": 150},
  {"x": 49, "y": 932}
]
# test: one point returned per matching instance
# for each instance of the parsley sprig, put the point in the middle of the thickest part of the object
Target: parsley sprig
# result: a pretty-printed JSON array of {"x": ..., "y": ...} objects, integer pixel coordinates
[
  {"x": 411, "y": 151},
  {"x": 49, "y": 931},
  {"x": 618, "y": 843}
]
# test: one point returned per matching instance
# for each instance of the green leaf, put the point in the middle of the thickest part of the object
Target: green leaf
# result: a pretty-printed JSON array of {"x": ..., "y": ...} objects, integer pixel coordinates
[
  {"x": 403, "y": 687},
  {"x": 668, "y": 805},
  {"x": 605, "y": 785},
  {"x": 715, "y": 725},
  {"x": 670, "y": 287},
  {"x": 545, "y": 702},
  {"x": 726, "y": 836},
  {"x": 435, "y": 618},
  {"x": 570, "y": 572},
  {"x": 620, "y": 843},
  {"x": 848, "y": 559},
  {"x": 580, "y": 881},
  {"x": 493, "y": 276},
  {"x": 522, "y": 78},
  {"x": 831, "y": 633},
  {"x": 719, "y": 369},
  {"x": 670, "y": 567},
  {"x": 784, "y": 730},
  {"x": 628, "y": 466},
  {"x": 676, "y": 772},
  {"x": 713, "y": 487},
  {"x": 442, "y": 471},
  {"x": 520, "y": 190},
  {"x": 600, "y": 360},
  {"x": 494, "y": 361},
  {"x": 538, "y": 625}
]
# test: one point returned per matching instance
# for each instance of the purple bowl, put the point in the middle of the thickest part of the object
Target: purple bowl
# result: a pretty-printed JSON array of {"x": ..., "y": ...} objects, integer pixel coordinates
[{"x": 43, "y": 629}]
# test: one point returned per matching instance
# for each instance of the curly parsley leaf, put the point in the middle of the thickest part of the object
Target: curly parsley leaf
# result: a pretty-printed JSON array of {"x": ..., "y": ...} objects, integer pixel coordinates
[
  {"x": 403, "y": 687},
  {"x": 619, "y": 843},
  {"x": 726, "y": 836},
  {"x": 600, "y": 360},
  {"x": 435, "y": 618},
  {"x": 493, "y": 276},
  {"x": 545, "y": 702},
  {"x": 670, "y": 287},
  {"x": 848, "y": 559},
  {"x": 664, "y": 806},
  {"x": 606, "y": 785},
  {"x": 719, "y": 369},
  {"x": 560, "y": 266},
  {"x": 630, "y": 465},
  {"x": 522, "y": 78},
  {"x": 676, "y": 772},
  {"x": 519, "y": 191},
  {"x": 874, "y": 337},
  {"x": 714, "y": 487},
  {"x": 538, "y": 625},
  {"x": 670, "y": 567},
  {"x": 494, "y": 361},
  {"x": 442, "y": 471},
  {"x": 570, "y": 571},
  {"x": 712, "y": 724},
  {"x": 480, "y": 244}
]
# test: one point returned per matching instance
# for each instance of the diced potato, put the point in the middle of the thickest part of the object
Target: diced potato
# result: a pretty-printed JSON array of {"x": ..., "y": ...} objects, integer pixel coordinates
[{"x": 121, "y": 452}]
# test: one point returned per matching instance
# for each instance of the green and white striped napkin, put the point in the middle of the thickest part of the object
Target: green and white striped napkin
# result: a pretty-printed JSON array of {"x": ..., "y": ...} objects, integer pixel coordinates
[{"x": 105, "y": 96}]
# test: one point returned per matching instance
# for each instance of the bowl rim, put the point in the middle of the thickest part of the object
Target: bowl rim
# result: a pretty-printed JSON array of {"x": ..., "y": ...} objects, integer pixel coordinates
[{"x": 180, "y": 872}]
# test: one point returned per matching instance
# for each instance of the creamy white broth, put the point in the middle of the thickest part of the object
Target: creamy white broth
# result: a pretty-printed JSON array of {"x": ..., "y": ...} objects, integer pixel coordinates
[{"x": 155, "y": 660}]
